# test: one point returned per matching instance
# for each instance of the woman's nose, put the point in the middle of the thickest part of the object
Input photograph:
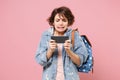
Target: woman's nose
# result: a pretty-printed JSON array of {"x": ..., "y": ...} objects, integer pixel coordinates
[{"x": 61, "y": 22}]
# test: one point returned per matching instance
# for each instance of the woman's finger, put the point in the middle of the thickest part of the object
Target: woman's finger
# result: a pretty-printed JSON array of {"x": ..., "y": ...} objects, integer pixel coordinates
[
  {"x": 52, "y": 41},
  {"x": 68, "y": 41}
]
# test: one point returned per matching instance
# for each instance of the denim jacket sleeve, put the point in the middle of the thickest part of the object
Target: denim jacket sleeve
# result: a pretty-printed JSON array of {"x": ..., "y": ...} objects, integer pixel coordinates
[
  {"x": 79, "y": 48},
  {"x": 42, "y": 51}
]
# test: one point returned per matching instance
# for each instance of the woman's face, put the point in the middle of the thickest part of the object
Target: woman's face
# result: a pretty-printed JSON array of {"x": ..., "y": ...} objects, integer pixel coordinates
[{"x": 60, "y": 23}]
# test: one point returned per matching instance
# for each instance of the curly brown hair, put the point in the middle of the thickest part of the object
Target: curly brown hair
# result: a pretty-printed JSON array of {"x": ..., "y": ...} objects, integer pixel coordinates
[{"x": 62, "y": 11}]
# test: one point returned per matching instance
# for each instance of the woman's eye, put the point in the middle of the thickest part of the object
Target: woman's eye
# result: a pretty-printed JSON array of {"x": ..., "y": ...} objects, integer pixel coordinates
[
  {"x": 57, "y": 20},
  {"x": 64, "y": 20}
]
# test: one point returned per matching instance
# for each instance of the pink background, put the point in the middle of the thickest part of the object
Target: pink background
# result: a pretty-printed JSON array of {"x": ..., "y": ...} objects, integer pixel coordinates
[{"x": 23, "y": 21}]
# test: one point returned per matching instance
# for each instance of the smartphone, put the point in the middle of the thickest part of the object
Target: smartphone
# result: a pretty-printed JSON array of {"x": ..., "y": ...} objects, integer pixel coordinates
[{"x": 60, "y": 39}]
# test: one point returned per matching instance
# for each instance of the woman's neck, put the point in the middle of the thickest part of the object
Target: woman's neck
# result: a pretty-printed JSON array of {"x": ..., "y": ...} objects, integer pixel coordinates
[{"x": 56, "y": 33}]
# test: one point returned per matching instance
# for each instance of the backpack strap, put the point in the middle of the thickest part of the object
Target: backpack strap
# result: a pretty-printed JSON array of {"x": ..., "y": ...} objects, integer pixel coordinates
[{"x": 72, "y": 36}]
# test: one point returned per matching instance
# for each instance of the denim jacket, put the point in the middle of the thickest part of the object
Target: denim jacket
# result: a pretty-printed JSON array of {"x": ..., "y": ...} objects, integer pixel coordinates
[{"x": 50, "y": 66}]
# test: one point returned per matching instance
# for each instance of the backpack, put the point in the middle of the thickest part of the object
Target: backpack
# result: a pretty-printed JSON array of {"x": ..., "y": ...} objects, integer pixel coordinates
[{"x": 87, "y": 66}]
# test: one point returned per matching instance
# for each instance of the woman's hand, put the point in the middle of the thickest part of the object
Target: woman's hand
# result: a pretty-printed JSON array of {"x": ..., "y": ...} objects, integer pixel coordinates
[
  {"x": 52, "y": 45},
  {"x": 67, "y": 45}
]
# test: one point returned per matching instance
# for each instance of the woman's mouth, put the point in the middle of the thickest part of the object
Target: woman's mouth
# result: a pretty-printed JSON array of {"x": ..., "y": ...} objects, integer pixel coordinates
[{"x": 60, "y": 27}]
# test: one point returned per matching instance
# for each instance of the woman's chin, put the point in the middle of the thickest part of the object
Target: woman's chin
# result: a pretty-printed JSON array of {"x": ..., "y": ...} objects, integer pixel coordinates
[{"x": 61, "y": 30}]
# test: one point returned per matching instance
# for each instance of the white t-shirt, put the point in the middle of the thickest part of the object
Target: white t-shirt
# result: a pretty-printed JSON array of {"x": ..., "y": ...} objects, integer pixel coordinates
[{"x": 60, "y": 72}]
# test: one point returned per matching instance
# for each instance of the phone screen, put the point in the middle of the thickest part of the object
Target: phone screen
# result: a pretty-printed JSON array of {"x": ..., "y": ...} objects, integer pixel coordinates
[{"x": 60, "y": 39}]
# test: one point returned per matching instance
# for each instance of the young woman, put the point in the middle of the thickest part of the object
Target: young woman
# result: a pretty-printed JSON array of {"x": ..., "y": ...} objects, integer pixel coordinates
[{"x": 60, "y": 60}]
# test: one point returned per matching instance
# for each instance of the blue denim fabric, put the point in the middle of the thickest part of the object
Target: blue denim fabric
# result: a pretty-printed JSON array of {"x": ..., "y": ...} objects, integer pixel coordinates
[{"x": 50, "y": 66}]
